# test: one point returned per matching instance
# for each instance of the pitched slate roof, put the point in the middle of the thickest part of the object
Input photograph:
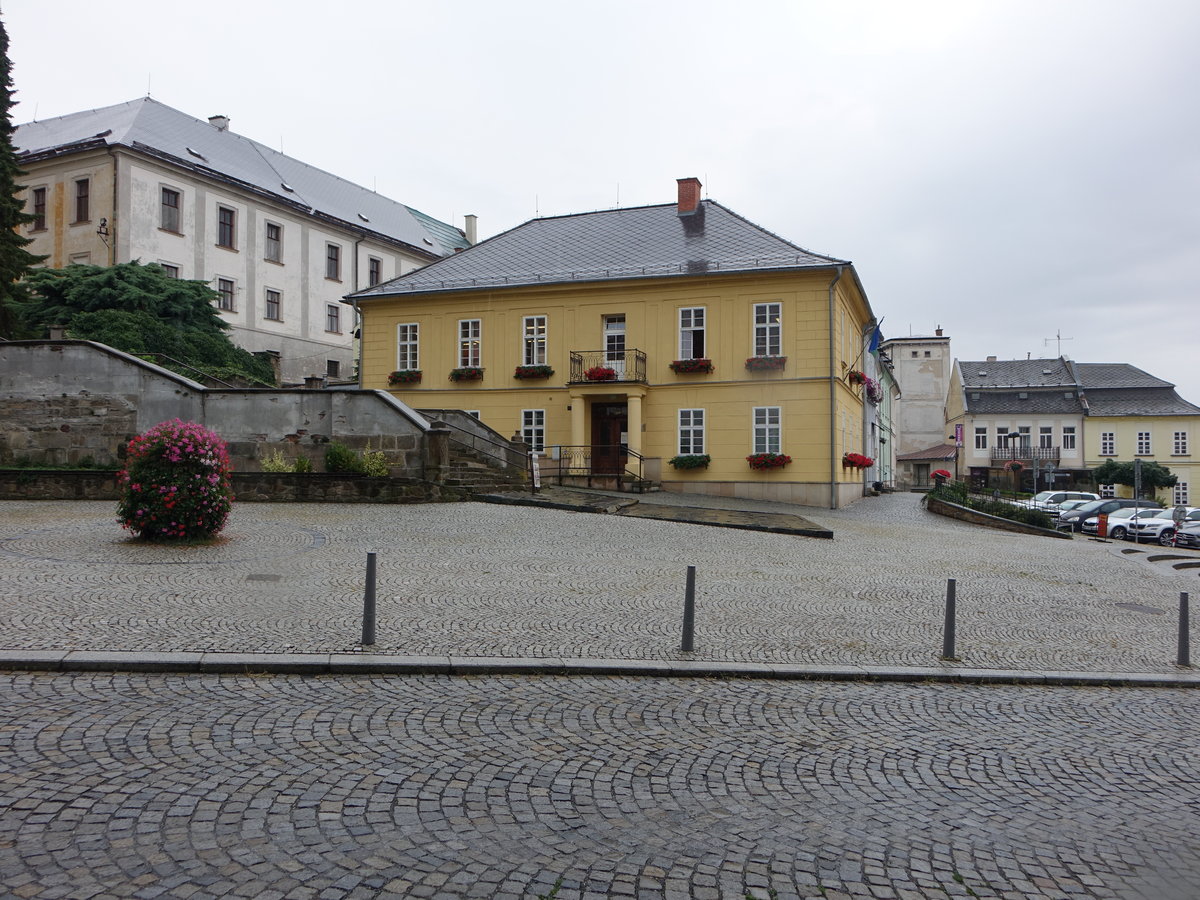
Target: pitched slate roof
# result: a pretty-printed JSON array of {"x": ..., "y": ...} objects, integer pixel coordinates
[
  {"x": 1016, "y": 373},
  {"x": 1116, "y": 375},
  {"x": 1037, "y": 402},
  {"x": 938, "y": 452},
  {"x": 157, "y": 129},
  {"x": 1138, "y": 402},
  {"x": 637, "y": 242}
]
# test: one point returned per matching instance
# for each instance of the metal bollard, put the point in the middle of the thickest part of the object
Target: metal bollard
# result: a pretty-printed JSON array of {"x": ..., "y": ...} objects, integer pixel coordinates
[
  {"x": 368, "y": 625},
  {"x": 689, "y": 610},
  {"x": 948, "y": 627},
  {"x": 1184, "y": 658}
]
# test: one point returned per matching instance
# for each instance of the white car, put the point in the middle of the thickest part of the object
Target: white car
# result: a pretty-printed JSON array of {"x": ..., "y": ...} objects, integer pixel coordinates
[
  {"x": 1120, "y": 521},
  {"x": 1161, "y": 526},
  {"x": 1053, "y": 500}
]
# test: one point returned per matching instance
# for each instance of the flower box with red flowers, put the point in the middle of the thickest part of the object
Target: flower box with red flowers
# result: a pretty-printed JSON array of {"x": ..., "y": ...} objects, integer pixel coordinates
[
  {"x": 766, "y": 363},
  {"x": 601, "y": 373},
  {"x": 691, "y": 366},
  {"x": 856, "y": 461},
  {"x": 856, "y": 377},
  {"x": 467, "y": 373},
  {"x": 533, "y": 372},
  {"x": 404, "y": 376},
  {"x": 768, "y": 460}
]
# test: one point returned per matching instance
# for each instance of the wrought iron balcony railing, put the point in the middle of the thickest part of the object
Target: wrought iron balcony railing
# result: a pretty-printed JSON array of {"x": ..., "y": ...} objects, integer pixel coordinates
[
  {"x": 1026, "y": 452},
  {"x": 600, "y": 366}
]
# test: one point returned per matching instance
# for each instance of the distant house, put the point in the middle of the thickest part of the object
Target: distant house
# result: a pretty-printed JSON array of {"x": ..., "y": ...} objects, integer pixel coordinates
[
  {"x": 921, "y": 366},
  {"x": 1061, "y": 419},
  {"x": 279, "y": 240},
  {"x": 616, "y": 342},
  {"x": 1133, "y": 415}
]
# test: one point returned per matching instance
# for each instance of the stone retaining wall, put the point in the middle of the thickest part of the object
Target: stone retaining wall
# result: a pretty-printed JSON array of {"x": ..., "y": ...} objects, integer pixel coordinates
[
  {"x": 248, "y": 487},
  {"x": 963, "y": 514}
]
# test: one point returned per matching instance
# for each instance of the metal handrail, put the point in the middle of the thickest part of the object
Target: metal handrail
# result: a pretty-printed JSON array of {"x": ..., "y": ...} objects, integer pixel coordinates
[
  {"x": 499, "y": 451},
  {"x": 1026, "y": 451},
  {"x": 575, "y": 461},
  {"x": 627, "y": 366}
]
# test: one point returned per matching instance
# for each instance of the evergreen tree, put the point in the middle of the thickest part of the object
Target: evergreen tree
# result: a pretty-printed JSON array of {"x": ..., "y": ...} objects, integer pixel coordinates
[
  {"x": 15, "y": 260},
  {"x": 142, "y": 310}
]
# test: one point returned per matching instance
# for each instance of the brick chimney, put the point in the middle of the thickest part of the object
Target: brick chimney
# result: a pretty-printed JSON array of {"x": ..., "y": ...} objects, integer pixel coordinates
[{"x": 689, "y": 195}]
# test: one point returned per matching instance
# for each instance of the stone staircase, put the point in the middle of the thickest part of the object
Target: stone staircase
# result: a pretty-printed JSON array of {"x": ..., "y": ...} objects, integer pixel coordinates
[{"x": 474, "y": 476}]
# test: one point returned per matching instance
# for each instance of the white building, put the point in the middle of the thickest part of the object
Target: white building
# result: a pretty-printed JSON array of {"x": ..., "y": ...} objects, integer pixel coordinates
[{"x": 281, "y": 241}]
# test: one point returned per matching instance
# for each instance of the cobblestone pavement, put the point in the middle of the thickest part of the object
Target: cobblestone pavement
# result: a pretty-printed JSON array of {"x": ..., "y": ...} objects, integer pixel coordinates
[
  {"x": 342, "y": 787},
  {"x": 488, "y": 580}
]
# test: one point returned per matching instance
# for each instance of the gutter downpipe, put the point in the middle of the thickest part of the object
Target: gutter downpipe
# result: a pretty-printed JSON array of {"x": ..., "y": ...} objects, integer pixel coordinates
[
  {"x": 833, "y": 399},
  {"x": 357, "y": 316}
]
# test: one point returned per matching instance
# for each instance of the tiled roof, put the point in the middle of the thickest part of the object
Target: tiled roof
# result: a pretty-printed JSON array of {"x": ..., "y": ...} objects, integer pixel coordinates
[
  {"x": 939, "y": 452},
  {"x": 1116, "y": 375},
  {"x": 1040, "y": 402},
  {"x": 159, "y": 130},
  {"x": 638, "y": 242},
  {"x": 1161, "y": 401},
  {"x": 1016, "y": 373}
]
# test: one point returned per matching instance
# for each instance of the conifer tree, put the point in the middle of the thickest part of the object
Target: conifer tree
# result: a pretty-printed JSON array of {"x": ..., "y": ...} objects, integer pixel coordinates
[{"x": 15, "y": 260}]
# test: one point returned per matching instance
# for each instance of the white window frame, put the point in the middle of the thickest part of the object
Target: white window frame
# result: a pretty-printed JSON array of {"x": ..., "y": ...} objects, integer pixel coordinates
[
  {"x": 278, "y": 317},
  {"x": 768, "y": 329},
  {"x": 333, "y": 261},
  {"x": 1144, "y": 444},
  {"x": 692, "y": 322},
  {"x": 1108, "y": 443},
  {"x": 165, "y": 211},
  {"x": 1108, "y": 491},
  {"x": 470, "y": 343},
  {"x": 767, "y": 434},
  {"x": 333, "y": 316},
  {"x": 981, "y": 437},
  {"x": 276, "y": 244},
  {"x": 1025, "y": 436},
  {"x": 1179, "y": 444},
  {"x": 374, "y": 271},
  {"x": 233, "y": 217},
  {"x": 691, "y": 432},
  {"x": 1045, "y": 437},
  {"x": 533, "y": 341},
  {"x": 1068, "y": 437},
  {"x": 533, "y": 428},
  {"x": 408, "y": 346},
  {"x": 221, "y": 281},
  {"x": 1179, "y": 494}
]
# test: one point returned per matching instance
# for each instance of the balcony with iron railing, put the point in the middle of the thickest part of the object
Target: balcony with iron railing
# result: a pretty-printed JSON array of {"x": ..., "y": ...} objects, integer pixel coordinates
[
  {"x": 1026, "y": 453},
  {"x": 608, "y": 366}
]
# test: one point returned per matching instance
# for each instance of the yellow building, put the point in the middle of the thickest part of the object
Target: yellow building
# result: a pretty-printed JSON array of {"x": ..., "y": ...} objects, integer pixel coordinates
[
  {"x": 615, "y": 342},
  {"x": 1133, "y": 415}
]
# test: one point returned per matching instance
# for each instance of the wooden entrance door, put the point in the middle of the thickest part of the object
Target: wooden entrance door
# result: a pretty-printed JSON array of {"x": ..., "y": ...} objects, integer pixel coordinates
[{"x": 610, "y": 422}]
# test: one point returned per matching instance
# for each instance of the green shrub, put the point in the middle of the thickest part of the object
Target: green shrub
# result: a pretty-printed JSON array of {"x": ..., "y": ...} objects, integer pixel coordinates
[
  {"x": 176, "y": 486},
  {"x": 374, "y": 464},
  {"x": 303, "y": 464},
  {"x": 340, "y": 458},
  {"x": 275, "y": 462}
]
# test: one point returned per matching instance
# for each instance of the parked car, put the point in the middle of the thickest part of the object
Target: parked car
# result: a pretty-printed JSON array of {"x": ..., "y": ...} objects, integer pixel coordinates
[
  {"x": 1076, "y": 517},
  {"x": 1161, "y": 526},
  {"x": 1053, "y": 499},
  {"x": 1120, "y": 521},
  {"x": 1188, "y": 537},
  {"x": 1070, "y": 504}
]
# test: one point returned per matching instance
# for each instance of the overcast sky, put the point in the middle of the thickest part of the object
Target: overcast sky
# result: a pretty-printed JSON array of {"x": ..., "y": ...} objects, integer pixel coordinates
[{"x": 1008, "y": 170}]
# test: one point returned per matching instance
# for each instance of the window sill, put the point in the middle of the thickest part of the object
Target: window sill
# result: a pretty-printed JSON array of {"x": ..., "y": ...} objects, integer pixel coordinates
[
  {"x": 272, "y": 319},
  {"x": 327, "y": 331},
  {"x": 334, "y": 280},
  {"x": 223, "y": 247},
  {"x": 41, "y": 230},
  {"x": 171, "y": 231},
  {"x": 273, "y": 262},
  {"x": 81, "y": 222}
]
